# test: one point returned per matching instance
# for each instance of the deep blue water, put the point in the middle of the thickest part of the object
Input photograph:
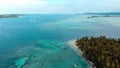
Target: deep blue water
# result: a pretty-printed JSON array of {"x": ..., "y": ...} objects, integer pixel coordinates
[{"x": 40, "y": 40}]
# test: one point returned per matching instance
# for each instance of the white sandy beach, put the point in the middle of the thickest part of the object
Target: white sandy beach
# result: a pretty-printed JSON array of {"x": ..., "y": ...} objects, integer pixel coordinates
[{"x": 72, "y": 44}]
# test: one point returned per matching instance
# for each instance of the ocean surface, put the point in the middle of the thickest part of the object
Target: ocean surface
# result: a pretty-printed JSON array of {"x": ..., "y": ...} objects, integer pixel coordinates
[{"x": 41, "y": 40}]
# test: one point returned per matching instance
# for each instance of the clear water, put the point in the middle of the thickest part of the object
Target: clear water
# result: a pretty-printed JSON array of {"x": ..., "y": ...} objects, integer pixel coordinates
[{"x": 40, "y": 40}]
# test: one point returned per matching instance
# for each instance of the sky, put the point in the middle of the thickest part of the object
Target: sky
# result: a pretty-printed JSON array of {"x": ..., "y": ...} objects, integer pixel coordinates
[{"x": 58, "y": 6}]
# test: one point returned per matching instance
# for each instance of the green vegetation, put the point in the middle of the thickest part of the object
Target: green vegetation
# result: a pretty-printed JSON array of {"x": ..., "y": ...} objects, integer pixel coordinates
[{"x": 103, "y": 52}]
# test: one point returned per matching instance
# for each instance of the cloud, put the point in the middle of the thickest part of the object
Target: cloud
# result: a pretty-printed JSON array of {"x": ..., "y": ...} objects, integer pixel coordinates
[
  {"x": 60, "y": 6},
  {"x": 20, "y": 6},
  {"x": 20, "y": 2},
  {"x": 79, "y": 0}
]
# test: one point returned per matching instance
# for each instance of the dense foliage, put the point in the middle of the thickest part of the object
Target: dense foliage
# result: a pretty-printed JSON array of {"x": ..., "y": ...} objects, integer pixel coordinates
[{"x": 103, "y": 52}]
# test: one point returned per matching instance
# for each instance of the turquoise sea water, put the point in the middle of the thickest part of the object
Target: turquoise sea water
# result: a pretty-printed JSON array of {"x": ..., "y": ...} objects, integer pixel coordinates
[{"x": 40, "y": 40}]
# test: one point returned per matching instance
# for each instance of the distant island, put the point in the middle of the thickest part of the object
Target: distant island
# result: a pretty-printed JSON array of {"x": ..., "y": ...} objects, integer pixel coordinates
[
  {"x": 96, "y": 16},
  {"x": 101, "y": 52},
  {"x": 10, "y": 15},
  {"x": 112, "y": 13}
]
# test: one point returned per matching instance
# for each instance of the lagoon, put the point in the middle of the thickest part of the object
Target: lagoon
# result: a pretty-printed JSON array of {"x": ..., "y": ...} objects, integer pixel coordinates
[{"x": 40, "y": 40}]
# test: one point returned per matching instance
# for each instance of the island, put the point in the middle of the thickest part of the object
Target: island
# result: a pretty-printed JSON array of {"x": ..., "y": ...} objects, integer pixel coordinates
[
  {"x": 97, "y": 15},
  {"x": 101, "y": 52},
  {"x": 10, "y": 15}
]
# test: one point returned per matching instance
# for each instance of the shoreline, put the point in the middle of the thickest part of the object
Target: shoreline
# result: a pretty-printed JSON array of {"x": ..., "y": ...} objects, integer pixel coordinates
[{"x": 72, "y": 44}]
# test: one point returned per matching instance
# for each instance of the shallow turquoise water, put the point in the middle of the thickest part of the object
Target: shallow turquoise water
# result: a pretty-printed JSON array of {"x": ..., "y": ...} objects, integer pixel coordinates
[{"x": 40, "y": 40}]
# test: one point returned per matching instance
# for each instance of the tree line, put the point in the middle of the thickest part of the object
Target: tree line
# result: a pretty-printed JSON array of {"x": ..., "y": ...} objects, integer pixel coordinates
[{"x": 103, "y": 52}]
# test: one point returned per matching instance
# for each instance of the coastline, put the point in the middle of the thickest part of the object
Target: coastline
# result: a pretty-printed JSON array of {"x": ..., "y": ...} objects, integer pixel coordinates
[{"x": 72, "y": 44}]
